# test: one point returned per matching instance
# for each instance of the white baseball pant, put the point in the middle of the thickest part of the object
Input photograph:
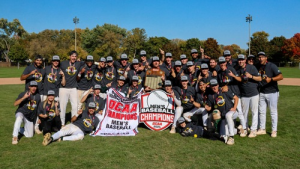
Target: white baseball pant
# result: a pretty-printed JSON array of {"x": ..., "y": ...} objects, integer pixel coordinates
[
  {"x": 195, "y": 110},
  {"x": 64, "y": 95},
  {"x": 240, "y": 113},
  {"x": 80, "y": 94},
  {"x": 270, "y": 100},
  {"x": 251, "y": 102},
  {"x": 178, "y": 112},
  {"x": 69, "y": 133},
  {"x": 28, "y": 129},
  {"x": 227, "y": 125}
]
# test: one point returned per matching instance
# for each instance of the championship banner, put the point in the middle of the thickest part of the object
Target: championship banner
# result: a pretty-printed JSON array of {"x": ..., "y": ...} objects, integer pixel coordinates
[
  {"x": 157, "y": 110},
  {"x": 120, "y": 115}
]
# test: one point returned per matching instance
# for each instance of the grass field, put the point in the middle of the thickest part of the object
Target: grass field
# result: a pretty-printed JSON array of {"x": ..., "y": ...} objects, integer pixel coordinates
[
  {"x": 15, "y": 72},
  {"x": 151, "y": 149}
]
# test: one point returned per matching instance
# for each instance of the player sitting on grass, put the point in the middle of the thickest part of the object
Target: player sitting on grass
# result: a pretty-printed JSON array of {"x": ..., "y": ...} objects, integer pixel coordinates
[
  {"x": 84, "y": 122},
  {"x": 187, "y": 129}
]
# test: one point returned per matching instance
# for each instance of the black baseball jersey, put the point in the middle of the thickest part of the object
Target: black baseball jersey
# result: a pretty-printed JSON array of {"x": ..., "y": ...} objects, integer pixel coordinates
[
  {"x": 86, "y": 122},
  {"x": 139, "y": 74},
  {"x": 48, "y": 109},
  {"x": 248, "y": 87},
  {"x": 167, "y": 67},
  {"x": 52, "y": 80},
  {"x": 99, "y": 101},
  {"x": 86, "y": 80},
  {"x": 38, "y": 77},
  {"x": 201, "y": 98},
  {"x": 233, "y": 63},
  {"x": 122, "y": 89},
  {"x": 221, "y": 101},
  {"x": 135, "y": 90},
  {"x": 225, "y": 79},
  {"x": 98, "y": 77},
  {"x": 71, "y": 71},
  {"x": 268, "y": 70},
  {"x": 191, "y": 130},
  {"x": 217, "y": 68},
  {"x": 110, "y": 75},
  {"x": 29, "y": 106},
  {"x": 185, "y": 96},
  {"x": 120, "y": 68}
]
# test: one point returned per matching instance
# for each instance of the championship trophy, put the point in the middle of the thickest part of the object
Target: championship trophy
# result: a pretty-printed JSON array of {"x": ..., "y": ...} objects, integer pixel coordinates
[{"x": 153, "y": 79}]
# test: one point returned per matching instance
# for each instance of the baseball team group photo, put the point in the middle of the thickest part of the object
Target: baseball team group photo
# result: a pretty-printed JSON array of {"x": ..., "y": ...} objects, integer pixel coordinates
[{"x": 112, "y": 96}]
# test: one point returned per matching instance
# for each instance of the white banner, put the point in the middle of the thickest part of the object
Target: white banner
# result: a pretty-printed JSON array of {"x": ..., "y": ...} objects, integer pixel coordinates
[{"x": 121, "y": 115}]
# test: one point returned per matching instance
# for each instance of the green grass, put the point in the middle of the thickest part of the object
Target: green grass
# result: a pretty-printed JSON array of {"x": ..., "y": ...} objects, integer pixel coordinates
[
  {"x": 290, "y": 72},
  {"x": 6, "y": 72},
  {"x": 151, "y": 149}
]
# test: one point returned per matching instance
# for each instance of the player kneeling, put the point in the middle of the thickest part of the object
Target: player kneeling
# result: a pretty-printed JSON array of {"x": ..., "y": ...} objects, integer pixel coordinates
[
  {"x": 188, "y": 129},
  {"x": 84, "y": 122}
]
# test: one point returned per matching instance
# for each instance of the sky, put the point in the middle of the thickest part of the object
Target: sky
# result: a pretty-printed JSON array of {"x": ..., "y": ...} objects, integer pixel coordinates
[{"x": 223, "y": 20}]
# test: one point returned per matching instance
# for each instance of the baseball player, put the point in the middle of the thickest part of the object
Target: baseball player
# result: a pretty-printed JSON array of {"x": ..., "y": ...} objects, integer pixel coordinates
[
  {"x": 138, "y": 71},
  {"x": 192, "y": 73},
  {"x": 188, "y": 129},
  {"x": 143, "y": 59},
  {"x": 48, "y": 112},
  {"x": 213, "y": 67},
  {"x": 251, "y": 60},
  {"x": 168, "y": 63},
  {"x": 27, "y": 103},
  {"x": 134, "y": 88},
  {"x": 122, "y": 65},
  {"x": 268, "y": 93},
  {"x": 178, "y": 109},
  {"x": 99, "y": 72},
  {"x": 70, "y": 69},
  {"x": 84, "y": 122},
  {"x": 223, "y": 102},
  {"x": 110, "y": 72},
  {"x": 176, "y": 73},
  {"x": 248, "y": 78},
  {"x": 34, "y": 72},
  {"x": 230, "y": 62},
  {"x": 84, "y": 79},
  {"x": 184, "y": 61}
]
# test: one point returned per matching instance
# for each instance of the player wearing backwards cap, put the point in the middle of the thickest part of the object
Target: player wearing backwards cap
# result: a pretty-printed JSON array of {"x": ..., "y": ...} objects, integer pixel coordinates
[
  {"x": 138, "y": 71},
  {"x": 188, "y": 129},
  {"x": 94, "y": 95},
  {"x": 110, "y": 72},
  {"x": 48, "y": 112},
  {"x": 84, "y": 122},
  {"x": 248, "y": 78},
  {"x": 70, "y": 69},
  {"x": 268, "y": 93},
  {"x": 222, "y": 102},
  {"x": 99, "y": 72},
  {"x": 134, "y": 88},
  {"x": 178, "y": 108},
  {"x": 27, "y": 103},
  {"x": 85, "y": 78},
  {"x": 34, "y": 72}
]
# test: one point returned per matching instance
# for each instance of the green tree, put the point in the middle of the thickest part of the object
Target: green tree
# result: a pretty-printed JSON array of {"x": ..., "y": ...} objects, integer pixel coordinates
[
  {"x": 275, "y": 52},
  {"x": 153, "y": 44},
  {"x": 259, "y": 42},
  {"x": 134, "y": 41},
  {"x": 9, "y": 33},
  {"x": 211, "y": 48},
  {"x": 18, "y": 52}
]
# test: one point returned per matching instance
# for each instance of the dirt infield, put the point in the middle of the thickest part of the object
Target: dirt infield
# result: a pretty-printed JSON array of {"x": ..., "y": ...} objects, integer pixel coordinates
[{"x": 285, "y": 81}]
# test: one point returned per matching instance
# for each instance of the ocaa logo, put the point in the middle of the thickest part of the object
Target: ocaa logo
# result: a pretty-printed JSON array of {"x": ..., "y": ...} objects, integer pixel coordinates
[{"x": 157, "y": 110}]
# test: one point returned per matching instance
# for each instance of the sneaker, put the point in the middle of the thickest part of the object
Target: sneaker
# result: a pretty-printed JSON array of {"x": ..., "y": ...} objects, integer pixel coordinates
[
  {"x": 274, "y": 134},
  {"x": 225, "y": 138},
  {"x": 14, "y": 140},
  {"x": 240, "y": 127},
  {"x": 252, "y": 134},
  {"x": 243, "y": 133},
  {"x": 261, "y": 132},
  {"x": 47, "y": 139},
  {"x": 173, "y": 131},
  {"x": 230, "y": 141},
  {"x": 37, "y": 130}
]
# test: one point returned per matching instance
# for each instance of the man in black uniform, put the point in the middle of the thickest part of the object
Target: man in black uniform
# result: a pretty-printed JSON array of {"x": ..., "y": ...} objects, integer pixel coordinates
[
  {"x": 110, "y": 72},
  {"x": 184, "y": 61},
  {"x": 122, "y": 65},
  {"x": 176, "y": 73},
  {"x": 99, "y": 72},
  {"x": 84, "y": 122},
  {"x": 136, "y": 71},
  {"x": 230, "y": 62},
  {"x": 27, "y": 103}
]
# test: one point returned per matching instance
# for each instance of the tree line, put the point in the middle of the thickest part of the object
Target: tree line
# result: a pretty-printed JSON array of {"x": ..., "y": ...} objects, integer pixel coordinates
[{"x": 111, "y": 40}]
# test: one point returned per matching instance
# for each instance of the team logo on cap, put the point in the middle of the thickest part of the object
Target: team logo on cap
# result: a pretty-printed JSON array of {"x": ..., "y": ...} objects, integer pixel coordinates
[
  {"x": 157, "y": 110},
  {"x": 87, "y": 122},
  {"x": 52, "y": 78},
  {"x": 31, "y": 105},
  {"x": 109, "y": 75},
  {"x": 71, "y": 70},
  {"x": 99, "y": 76},
  {"x": 38, "y": 77},
  {"x": 89, "y": 74}
]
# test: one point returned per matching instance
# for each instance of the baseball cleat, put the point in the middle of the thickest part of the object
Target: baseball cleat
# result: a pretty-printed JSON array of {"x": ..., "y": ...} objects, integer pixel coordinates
[
  {"x": 37, "y": 130},
  {"x": 47, "y": 139},
  {"x": 274, "y": 134},
  {"x": 14, "y": 140},
  {"x": 252, "y": 134},
  {"x": 261, "y": 132},
  {"x": 173, "y": 131},
  {"x": 230, "y": 141},
  {"x": 243, "y": 133}
]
